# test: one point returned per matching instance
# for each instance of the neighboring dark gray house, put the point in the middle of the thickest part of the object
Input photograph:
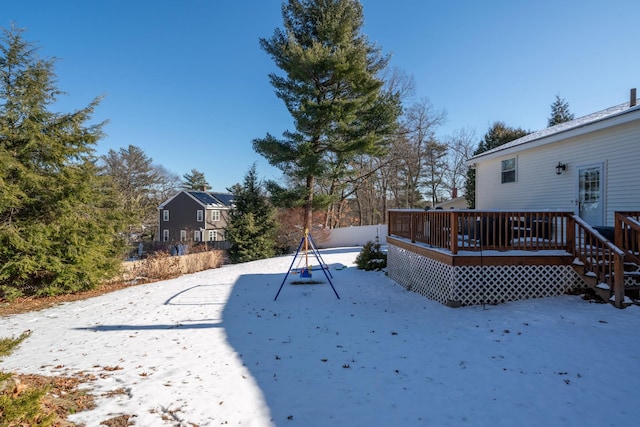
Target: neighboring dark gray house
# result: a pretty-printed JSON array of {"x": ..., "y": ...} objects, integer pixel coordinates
[{"x": 194, "y": 216}]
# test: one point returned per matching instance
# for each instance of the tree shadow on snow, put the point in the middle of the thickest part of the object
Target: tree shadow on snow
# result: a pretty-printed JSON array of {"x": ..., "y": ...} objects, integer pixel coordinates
[
  {"x": 299, "y": 348},
  {"x": 182, "y": 325}
]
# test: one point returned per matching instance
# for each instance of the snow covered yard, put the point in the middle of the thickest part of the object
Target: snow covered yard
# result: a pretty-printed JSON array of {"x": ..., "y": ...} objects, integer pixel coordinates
[{"x": 214, "y": 348}]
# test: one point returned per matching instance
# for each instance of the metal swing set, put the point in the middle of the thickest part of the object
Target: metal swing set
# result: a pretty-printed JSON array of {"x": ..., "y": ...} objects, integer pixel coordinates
[{"x": 306, "y": 245}]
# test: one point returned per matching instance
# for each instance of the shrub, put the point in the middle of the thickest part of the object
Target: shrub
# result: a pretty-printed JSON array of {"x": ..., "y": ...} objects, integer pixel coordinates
[
  {"x": 23, "y": 407},
  {"x": 18, "y": 405},
  {"x": 371, "y": 257},
  {"x": 9, "y": 293},
  {"x": 7, "y": 345},
  {"x": 162, "y": 266}
]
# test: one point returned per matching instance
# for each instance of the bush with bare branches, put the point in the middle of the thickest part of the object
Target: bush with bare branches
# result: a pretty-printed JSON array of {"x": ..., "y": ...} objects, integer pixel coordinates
[{"x": 162, "y": 266}]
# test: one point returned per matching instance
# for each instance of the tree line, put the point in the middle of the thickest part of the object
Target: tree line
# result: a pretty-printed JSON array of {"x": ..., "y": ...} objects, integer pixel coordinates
[{"x": 362, "y": 144}]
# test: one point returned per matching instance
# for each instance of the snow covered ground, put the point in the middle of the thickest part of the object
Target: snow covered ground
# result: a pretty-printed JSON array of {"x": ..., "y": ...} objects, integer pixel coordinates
[{"x": 215, "y": 348}]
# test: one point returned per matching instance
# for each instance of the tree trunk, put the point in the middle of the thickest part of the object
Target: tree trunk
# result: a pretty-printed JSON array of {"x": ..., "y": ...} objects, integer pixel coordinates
[{"x": 308, "y": 206}]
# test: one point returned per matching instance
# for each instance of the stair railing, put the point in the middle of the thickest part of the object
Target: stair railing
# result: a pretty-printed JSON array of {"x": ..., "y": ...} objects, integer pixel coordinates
[
  {"x": 627, "y": 234},
  {"x": 600, "y": 257}
]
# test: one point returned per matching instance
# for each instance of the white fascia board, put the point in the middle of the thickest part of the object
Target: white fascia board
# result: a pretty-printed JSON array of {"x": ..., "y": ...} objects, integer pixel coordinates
[{"x": 608, "y": 122}]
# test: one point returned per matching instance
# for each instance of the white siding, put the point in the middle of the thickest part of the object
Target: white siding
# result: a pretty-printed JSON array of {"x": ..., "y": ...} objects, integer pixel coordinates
[{"x": 538, "y": 187}]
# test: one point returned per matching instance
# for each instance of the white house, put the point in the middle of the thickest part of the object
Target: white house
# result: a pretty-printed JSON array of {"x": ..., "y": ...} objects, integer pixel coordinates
[
  {"x": 588, "y": 165},
  {"x": 525, "y": 239}
]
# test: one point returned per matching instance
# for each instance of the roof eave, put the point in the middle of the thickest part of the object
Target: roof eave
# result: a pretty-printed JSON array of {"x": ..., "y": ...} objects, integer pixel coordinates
[{"x": 622, "y": 117}]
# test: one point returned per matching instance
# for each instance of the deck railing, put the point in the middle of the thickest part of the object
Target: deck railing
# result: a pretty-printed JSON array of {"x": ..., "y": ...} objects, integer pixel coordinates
[
  {"x": 627, "y": 234},
  {"x": 471, "y": 230}
]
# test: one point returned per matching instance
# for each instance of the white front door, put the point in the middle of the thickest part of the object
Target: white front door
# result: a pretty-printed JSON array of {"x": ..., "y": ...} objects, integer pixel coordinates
[{"x": 590, "y": 195}]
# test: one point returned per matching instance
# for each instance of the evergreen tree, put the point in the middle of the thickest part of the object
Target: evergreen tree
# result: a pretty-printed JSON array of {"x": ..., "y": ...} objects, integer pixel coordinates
[
  {"x": 496, "y": 136},
  {"x": 195, "y": 181},
  {"x": 59, "y": 226},
  {"x": 332, "y": 90},
  {"x": 252, "y": 225},
  {"x": 559, "y": 112}
]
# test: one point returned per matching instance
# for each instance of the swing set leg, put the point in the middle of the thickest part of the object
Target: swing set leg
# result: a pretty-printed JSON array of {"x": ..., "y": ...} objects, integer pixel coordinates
[
  {"x": 289, "y": 270},
  {"x": 306, "y": 240}
]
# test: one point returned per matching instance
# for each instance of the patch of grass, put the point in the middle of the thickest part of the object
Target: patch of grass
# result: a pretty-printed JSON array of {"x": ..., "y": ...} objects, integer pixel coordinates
[
  {"x": 22, "y": 407},
  {"x": 26, "y": 400},
  {"x": 37, "y": 400},
  {"x": 18, "y": 404}
]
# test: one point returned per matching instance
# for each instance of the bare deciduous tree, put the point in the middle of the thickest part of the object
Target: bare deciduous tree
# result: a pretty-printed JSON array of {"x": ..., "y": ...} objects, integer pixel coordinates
[
  {"x": 422, "y": 153},
  {"x": 461, "y": 146}
]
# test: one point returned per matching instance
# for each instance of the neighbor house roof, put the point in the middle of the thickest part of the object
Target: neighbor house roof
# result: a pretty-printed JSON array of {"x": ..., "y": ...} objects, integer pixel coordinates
[
  {"x": 212, "y": 199},
  {"x": 207, "y": 199},
  {"x": 225, "y": 198},
  {"x": 554, "y": 133}
]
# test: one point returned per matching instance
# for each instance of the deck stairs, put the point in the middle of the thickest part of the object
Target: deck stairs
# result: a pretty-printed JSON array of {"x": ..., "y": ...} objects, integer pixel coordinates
[
  {"x": 594, "y": 262},
  {"x": 602, "y": 290}
]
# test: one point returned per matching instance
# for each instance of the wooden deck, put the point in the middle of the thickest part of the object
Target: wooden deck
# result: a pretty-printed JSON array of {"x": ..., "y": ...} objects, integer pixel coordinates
[
  {"x": 525, "y": 248},
  {"x": 487, "y": 258}
]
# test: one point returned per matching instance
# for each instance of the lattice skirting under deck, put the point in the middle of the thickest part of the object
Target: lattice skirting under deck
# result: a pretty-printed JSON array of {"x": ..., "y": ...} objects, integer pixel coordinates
[{"x": 472, "y": 285}]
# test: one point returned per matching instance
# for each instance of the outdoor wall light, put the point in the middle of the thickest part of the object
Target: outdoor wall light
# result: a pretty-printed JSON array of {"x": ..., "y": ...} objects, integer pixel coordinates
[{"x": 561, "y": 167}]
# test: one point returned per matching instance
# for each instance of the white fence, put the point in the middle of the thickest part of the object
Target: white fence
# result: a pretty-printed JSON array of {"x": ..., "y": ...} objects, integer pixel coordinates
[{"x": 356, "y": 236}]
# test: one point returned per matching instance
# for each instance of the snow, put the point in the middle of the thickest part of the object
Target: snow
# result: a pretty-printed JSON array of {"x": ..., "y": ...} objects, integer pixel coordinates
[{"x": 214, "y": 348}]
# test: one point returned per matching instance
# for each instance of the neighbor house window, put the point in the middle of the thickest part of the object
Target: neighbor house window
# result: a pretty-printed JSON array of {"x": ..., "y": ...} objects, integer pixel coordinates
[
  {"x": 213, "y": 235},
  {"x": 509, "y": 170},
  {"x": 165, "y": 235},
  {"x": 200, "y": 215},
  {"x": 183, "y": 235},
  {"x": 165, "y": 215},
  {"x": 196, "y": 236},
  {"x": 215, "y": 215}
]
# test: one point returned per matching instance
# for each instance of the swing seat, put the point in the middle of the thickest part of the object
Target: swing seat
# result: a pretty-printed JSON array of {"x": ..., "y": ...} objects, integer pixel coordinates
[
  {"x": 305, "y": 272},
  {"x": 310, "y": 268}
]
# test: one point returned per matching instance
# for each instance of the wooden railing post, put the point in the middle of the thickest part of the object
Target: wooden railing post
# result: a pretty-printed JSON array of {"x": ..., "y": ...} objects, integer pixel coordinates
[
  {"x": 618, "y": 280},
  {"x": 453, "y": 231},
  {"x": 571, "y": 235},
  {"x": 618, "y": 231},
  {"x": 412, "y": 229}
]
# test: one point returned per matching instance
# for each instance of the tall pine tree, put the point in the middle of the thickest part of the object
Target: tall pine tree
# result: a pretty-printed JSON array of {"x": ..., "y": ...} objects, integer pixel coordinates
[
  {"x": 252, "y": 224},
  {"x": 332, "y": 89},
  {"x": 59, "y": 226}
]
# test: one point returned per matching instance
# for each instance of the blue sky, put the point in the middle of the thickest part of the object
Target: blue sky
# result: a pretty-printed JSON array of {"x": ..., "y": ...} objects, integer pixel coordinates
[{"x": 187, "y": 81}]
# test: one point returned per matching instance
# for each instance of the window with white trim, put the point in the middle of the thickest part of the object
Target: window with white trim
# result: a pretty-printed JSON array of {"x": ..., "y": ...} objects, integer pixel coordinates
[
  {"x": 508, "y": 170},
  {"x": 213, "y": 235},
  {"x": 165, "y": 235},
  {"x": 165, "y": 215},
  {"x": 183, "y": 235},
  {"x": 215, "y": 215},
  {"x": 199, "y": 215},
  {"x": 196, "y": 236}
]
